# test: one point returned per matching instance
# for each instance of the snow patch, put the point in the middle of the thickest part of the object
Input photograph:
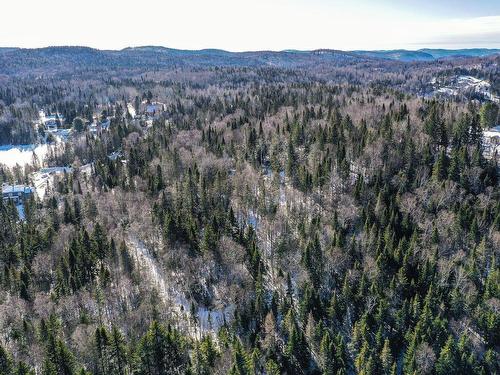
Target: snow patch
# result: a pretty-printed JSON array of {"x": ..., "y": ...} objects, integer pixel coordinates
[
  {"x": 12, "y": 155},
  {"x": 207, "y": 321}
]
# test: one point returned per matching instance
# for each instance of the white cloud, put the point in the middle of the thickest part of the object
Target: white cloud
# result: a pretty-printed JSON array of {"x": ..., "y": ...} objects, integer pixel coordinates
[{"x": 479, "y": 31}]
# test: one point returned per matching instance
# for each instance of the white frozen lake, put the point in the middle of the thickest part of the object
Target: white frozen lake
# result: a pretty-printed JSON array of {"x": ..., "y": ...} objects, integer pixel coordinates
[{"x": 10, "y": 155}]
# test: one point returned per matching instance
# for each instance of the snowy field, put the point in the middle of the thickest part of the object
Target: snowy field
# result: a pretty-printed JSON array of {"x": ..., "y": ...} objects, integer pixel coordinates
[
  {"x": 11, "y": 155},
  {"x": 461, "y": 84}
]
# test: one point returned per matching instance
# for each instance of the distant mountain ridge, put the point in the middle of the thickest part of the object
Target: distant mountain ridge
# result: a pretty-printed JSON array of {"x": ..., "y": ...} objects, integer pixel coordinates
[
  {"x": 428, "y": 54},
  {"x": 72, "y": 58},
  {"x": 400, "y": 55},
  {"x": 470, "y": 52}
]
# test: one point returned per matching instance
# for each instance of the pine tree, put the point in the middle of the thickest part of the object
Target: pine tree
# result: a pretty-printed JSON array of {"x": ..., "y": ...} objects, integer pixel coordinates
[
  {"x": 126, "y": 259},
  {"x": 161, "y": 351},
  {"x": 59, "y": 360},
  {"x": 99, "y": 242},
  {"x": 6, "y": 366},
  {"x": 440, "y": 169},
  {"x": 326, "y": 354},
  {"x": 386, "y": 359},
  {"x": 272, "y": 368},
  {"x": 488, "y": 114},
  {"x": 118, "y": 359},
  {"x": 101, "y": 339},
  {"x": 241, "y": 362},
  {"x": 447, "y": 361}
]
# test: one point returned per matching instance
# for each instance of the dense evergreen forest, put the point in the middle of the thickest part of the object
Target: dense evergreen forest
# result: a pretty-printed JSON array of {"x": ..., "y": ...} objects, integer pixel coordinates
[{"x": 265, "y": 221}]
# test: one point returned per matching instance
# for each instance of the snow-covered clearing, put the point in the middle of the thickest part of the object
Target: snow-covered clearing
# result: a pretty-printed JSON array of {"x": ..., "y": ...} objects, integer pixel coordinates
[
  {"x": 10, "y": 155},
  {"x": 44, "y": 179},
  {"x": 207, "y": 321},
  {"x": 462, "y": 84}
]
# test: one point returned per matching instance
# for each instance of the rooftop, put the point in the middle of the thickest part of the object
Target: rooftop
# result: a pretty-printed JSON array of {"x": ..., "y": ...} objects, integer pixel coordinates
[
  {"x": 8, "y": 189},
  {"x": 492, "y": 132},
  {"x": 56, "y": 170}
]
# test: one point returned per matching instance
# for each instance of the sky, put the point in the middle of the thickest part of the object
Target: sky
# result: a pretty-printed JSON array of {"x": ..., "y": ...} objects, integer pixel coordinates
[{"x": 238, "y": 25}]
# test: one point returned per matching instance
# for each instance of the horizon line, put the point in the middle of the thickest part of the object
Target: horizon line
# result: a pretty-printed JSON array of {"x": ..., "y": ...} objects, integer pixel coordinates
[{"x": 290, "y": 50}]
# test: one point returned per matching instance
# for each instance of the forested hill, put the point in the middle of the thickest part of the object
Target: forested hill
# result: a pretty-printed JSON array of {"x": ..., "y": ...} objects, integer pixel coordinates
[
  {"x": 60, "y": 59},
  {"x": 249, "y": 220}
]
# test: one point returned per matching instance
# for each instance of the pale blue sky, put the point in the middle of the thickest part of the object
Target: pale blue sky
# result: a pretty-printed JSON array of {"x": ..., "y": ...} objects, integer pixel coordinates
[{"x": 238, "y": 25}]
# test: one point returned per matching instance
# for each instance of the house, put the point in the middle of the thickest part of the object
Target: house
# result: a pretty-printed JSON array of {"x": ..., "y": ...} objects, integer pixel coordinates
[
  {"x": 491, "y": 142},
  {"x": 115, "y": 155},
  {"x": 154, "y": 109},
  {"x": 51, "y": 126},
  {"x": 99, "y": 126},
  {"x": 56, "y": 170},
  {"x": 105, "y": 124},
  {"x": 16, "y": 193},
  {"x": 52, "y": 122}
]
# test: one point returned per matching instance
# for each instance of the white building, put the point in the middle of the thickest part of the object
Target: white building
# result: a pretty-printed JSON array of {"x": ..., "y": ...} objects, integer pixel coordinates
[
  {"x": 97, "y": 127},
  {"x": 16, "y": 193},
  {"x": 51, "y": 122},
  {"x": 491, "y": 142},
  {"x": 154, "y": 109}
]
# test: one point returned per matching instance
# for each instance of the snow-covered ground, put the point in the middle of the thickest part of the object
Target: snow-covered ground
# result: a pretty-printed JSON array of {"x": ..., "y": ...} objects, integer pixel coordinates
[
  {"x": 207, "y": 321},
  {"x": 461, "y": 84},
  {"x": 131, "y": 110},
  {"x": 44, "y": 178},
  {"x": 11, "y": 155},
  {"x": 20, "y": 211},
  {"x": 41, "y": 182},
  {"x": 469, "y": 80},
  {"x": 446, "y": 90},
  {"x": 491, "y": 142}
]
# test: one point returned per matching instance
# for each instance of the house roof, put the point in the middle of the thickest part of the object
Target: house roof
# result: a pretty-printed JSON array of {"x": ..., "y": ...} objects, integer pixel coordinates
[
  {"x": 492, "y": 132},
  {"x": 16, "y": 189},
  {"x": 56, "y": 170}
]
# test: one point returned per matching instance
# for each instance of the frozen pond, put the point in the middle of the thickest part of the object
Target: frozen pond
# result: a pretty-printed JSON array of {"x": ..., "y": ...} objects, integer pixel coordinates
[{"x": 11, "y": 155}]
